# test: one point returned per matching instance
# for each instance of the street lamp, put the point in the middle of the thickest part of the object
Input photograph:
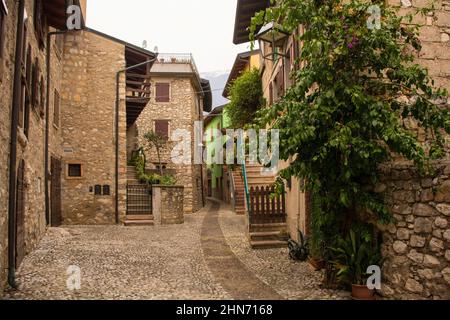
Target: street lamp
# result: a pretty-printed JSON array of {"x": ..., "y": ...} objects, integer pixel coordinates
[{"x": 275, "y": 36}]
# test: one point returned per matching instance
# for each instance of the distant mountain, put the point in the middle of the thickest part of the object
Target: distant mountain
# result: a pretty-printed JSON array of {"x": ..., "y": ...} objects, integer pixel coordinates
[{"x": 218, "y": 80}]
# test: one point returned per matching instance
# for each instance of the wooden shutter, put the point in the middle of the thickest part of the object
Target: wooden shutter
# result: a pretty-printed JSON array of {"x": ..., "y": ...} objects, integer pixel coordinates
[
  {"x": 162, "y": 128},
  {"x": 162, "y": 92},
  {"x": 35, "y": 84},
  {"x": 56, "y": 107}
]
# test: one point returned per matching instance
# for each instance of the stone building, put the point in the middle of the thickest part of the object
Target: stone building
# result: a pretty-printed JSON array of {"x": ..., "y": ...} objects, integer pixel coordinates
[
  {"x": 29, "y": 104},
  {"x": 178, "y": 99},
  {"x": 416, "y": 248},
  {"x": 65, "y": 134}
]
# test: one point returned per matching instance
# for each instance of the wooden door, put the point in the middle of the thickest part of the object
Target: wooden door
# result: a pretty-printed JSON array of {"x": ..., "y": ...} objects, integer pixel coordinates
[
  {"x": 55, "y": 196},
  {"x": 20, "y": 214}
]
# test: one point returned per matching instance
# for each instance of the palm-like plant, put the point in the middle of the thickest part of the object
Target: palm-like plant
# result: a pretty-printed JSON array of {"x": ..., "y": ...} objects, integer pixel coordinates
[{"x": 353, "y": 256}]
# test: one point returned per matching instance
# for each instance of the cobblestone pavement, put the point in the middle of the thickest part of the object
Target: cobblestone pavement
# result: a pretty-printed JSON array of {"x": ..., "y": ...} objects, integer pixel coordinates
[{"x": 206, "y": 258}]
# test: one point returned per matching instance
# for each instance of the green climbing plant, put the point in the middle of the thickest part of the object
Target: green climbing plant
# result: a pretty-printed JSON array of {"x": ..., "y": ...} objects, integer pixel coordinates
[{"x": 347, "y": 110}]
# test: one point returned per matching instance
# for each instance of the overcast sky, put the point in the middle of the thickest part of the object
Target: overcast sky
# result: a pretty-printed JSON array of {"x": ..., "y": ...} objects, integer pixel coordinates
[{"x": 201, "y": 27}]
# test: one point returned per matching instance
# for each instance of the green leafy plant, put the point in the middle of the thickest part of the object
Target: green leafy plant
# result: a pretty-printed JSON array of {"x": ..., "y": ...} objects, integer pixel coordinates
[
  {"x": 353, "y": 255},
  {"x": 299, "y": 251},
  {"x": 168, "y": 180},
  {"x": 246, "y": 97},
  {"x": 158, "y": 142},
  {"x": 348, "y": 108}
]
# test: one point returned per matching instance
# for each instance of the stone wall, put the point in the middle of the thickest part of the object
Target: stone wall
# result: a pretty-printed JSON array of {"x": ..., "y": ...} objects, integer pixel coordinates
[
  {"x": 181, "y": 111},
  {"x": 6, "y": 82},
  {"x": 29, "y": 149},
  {"x": 417, "y": 245},
  {"x": 88, "y": 103},
  {"x": 168, "y": 204}
]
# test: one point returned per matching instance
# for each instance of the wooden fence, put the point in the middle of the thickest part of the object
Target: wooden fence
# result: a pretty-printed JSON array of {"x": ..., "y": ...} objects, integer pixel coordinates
[{"x": 266, "y": 206}]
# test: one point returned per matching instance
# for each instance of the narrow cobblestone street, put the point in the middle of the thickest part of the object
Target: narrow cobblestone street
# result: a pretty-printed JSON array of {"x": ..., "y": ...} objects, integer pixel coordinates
[{"x": 206, "y": 258}]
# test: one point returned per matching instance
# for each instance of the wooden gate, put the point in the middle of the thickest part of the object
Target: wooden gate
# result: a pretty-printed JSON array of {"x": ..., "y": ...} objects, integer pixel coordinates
[
  {"x": 265, "y": 206},
  {"x": 56, "y": 215},
  {"x": 20, "y": 214}
]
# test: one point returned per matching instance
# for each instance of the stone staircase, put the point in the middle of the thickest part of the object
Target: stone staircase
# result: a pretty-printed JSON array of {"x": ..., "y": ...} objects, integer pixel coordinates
[
  {"x": 137, "y": 213},
  {"x": 261, "y": 235},
  {"x": 239, "y": 192}
]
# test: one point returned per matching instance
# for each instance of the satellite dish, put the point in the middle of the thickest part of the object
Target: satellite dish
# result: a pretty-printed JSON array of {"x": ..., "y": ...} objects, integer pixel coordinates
[{"x": 144, "y": 44}]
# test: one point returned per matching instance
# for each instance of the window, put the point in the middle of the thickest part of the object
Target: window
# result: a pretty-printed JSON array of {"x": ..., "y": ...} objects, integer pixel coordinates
[
  {"x": 35, "y": 84},
  {"x": 106, "y": 190},
  {"x": 24, "y": 111},
  {"x": 98, "y": 190},
  {"x": 56, "y": 105},
  {"x": 162, "y": 92},
  {"x": 74, "y": 170},
  {"x": 3, "y": 14},
  {"x": 42, "y": 96},
  {"x": 29, "y": 69},
  {"x": 162, "y": 128}
]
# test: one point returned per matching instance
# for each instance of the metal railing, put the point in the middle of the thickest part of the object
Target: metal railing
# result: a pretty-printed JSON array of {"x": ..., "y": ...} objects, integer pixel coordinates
[
  {"x": 232, "y": 189},
  {"x": 183, "y": 58},
  {"x": 139, "y": 199},
  {"x": 247, "y": 191}
]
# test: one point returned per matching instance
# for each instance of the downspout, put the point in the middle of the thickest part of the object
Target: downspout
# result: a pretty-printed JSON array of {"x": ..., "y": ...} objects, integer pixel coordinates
[
  {"x": 116, "y": 187},
  {"x": 200, "y": 117},
  {"x": 13, "y": 148},
  {"x": 47, "y": 126}
]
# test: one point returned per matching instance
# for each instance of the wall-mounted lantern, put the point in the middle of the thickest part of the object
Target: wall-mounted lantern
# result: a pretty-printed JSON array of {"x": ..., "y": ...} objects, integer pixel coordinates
[{"x": 273, "y": 34}]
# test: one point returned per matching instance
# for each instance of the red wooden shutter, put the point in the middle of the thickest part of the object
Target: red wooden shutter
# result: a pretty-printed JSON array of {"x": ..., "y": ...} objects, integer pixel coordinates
[
  {"x": 162, "y": 92},
  {"x": 162, "y": 128}
]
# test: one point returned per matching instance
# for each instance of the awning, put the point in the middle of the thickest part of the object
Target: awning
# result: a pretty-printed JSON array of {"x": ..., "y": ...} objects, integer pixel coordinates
[
  {"x": 245, "y": 10},
  {"x": 55, "y": 11}
]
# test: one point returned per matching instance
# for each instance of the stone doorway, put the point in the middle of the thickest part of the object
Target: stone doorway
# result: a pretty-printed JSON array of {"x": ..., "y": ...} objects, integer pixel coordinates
[
  {"x": 20, "y": 214},
  {"x": 56, "y": 214}
]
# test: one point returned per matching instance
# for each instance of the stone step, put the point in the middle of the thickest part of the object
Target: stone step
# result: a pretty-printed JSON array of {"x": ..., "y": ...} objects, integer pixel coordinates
[
  {"x": 139, "y": 217},
  {"x": 265, "y": 236},
  {"x": 270, "y": 244},
  {"x": 139, "y": 223},
  {"x": 268, "y": 227},
  {"x": 139, "y": 211}
]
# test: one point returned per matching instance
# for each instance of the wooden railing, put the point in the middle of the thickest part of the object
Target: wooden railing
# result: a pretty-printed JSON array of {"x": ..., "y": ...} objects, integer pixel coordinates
[{"x": 266, "y": 206}]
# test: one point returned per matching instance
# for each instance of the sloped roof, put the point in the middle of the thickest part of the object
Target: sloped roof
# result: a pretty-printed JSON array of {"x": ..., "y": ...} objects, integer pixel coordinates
[{"x": 245, "y": 10}]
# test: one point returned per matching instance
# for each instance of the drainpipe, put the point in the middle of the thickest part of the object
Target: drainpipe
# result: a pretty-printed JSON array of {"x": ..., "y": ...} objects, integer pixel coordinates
[
  {"x": 116, "y": 187},
  {"x": 13, "y": 148},
  {"x": 47, "y": 126}
]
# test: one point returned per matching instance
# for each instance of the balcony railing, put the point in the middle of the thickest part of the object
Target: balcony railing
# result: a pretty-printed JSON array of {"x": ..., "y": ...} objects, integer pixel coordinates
[{"x": 180, "y": 58}]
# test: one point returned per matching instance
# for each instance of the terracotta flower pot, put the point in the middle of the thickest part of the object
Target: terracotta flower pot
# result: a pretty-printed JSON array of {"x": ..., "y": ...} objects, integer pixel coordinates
[
  {"x": 317, "y": 264},
  {"x": 362, "y": 293}
]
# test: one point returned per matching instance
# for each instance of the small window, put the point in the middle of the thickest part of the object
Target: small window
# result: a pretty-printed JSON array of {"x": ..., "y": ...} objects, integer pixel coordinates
[
  {"x": 98, "y": 190},
  {"x": 162, "y": 92},
  {"x": 162, "y": 128},
  {"x": 106, "y": 190},
  {"x": 56, "y": 106},
  {"x": 74, "y": 170}
]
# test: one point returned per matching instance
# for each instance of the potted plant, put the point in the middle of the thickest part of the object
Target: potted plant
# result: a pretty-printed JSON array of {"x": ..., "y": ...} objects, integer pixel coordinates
[
  {"x": 298, "y": 251},
  {"x": 351, "y": 259}
]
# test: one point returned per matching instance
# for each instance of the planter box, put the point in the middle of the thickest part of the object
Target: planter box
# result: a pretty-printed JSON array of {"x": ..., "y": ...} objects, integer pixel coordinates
[{"x": 168, "y": 204}]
